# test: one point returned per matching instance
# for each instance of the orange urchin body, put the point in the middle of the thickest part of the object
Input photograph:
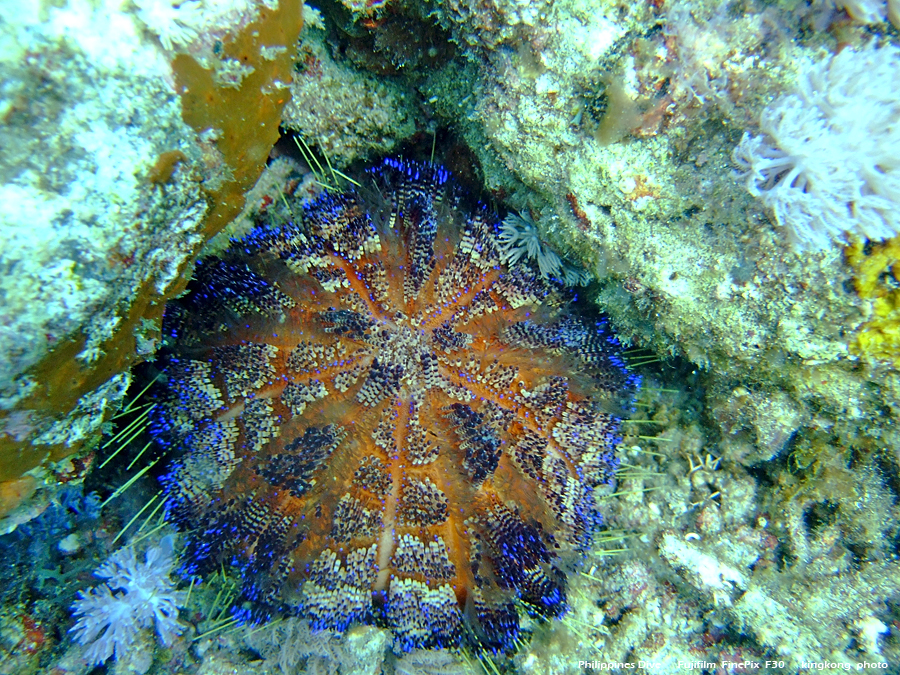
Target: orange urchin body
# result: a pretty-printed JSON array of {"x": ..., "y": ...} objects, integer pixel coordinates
[{"x": 381, "y": 422}]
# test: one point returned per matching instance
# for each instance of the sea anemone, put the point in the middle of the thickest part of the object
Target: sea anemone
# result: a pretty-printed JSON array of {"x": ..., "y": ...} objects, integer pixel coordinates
[{"x": 519, "y": 239}]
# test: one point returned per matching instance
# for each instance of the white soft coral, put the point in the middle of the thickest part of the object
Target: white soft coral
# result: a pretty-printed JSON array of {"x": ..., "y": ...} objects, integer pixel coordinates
[
  {"x": 178, "y": 23},
  {"x": 134, "y": 596},
  {"x": 829, "y": 164}
]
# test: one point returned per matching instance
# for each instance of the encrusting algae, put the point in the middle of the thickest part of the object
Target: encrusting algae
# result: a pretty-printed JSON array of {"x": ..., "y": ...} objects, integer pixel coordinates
[{"x": 877, "y": 280}]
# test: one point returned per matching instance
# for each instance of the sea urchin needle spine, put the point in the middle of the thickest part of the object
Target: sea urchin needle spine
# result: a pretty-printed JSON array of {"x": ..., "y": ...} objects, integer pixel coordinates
[{"x": 381, "y": 422}]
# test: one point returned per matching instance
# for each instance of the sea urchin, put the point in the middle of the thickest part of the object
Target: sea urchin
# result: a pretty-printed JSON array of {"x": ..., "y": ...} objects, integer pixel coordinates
[{"x": 380, "y": 422}]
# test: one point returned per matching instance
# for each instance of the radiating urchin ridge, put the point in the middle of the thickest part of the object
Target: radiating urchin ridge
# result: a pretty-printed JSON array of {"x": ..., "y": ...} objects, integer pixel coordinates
[{"x": 378, "y": 421}]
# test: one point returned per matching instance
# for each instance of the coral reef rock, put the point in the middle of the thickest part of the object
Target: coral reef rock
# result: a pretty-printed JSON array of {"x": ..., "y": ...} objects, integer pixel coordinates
[{"x": 131, "y": 133}]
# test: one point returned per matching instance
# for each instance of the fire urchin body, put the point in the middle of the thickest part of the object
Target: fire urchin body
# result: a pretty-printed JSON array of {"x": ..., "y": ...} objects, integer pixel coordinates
[{"x": 382, "y": 423}]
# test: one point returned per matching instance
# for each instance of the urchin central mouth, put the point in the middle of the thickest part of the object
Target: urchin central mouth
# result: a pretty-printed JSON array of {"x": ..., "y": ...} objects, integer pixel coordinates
[{"x": 404, "y": 347}]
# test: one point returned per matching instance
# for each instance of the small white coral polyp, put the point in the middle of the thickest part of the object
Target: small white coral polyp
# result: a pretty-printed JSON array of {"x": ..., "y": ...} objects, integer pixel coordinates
[
  {"x": 176, "y": 23},
  {"x": 133, "y": 597},
  {"x": 519, "y": 240},
  {"x": 829, "y": 163},
  {"x": 519, "y": 237}
]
